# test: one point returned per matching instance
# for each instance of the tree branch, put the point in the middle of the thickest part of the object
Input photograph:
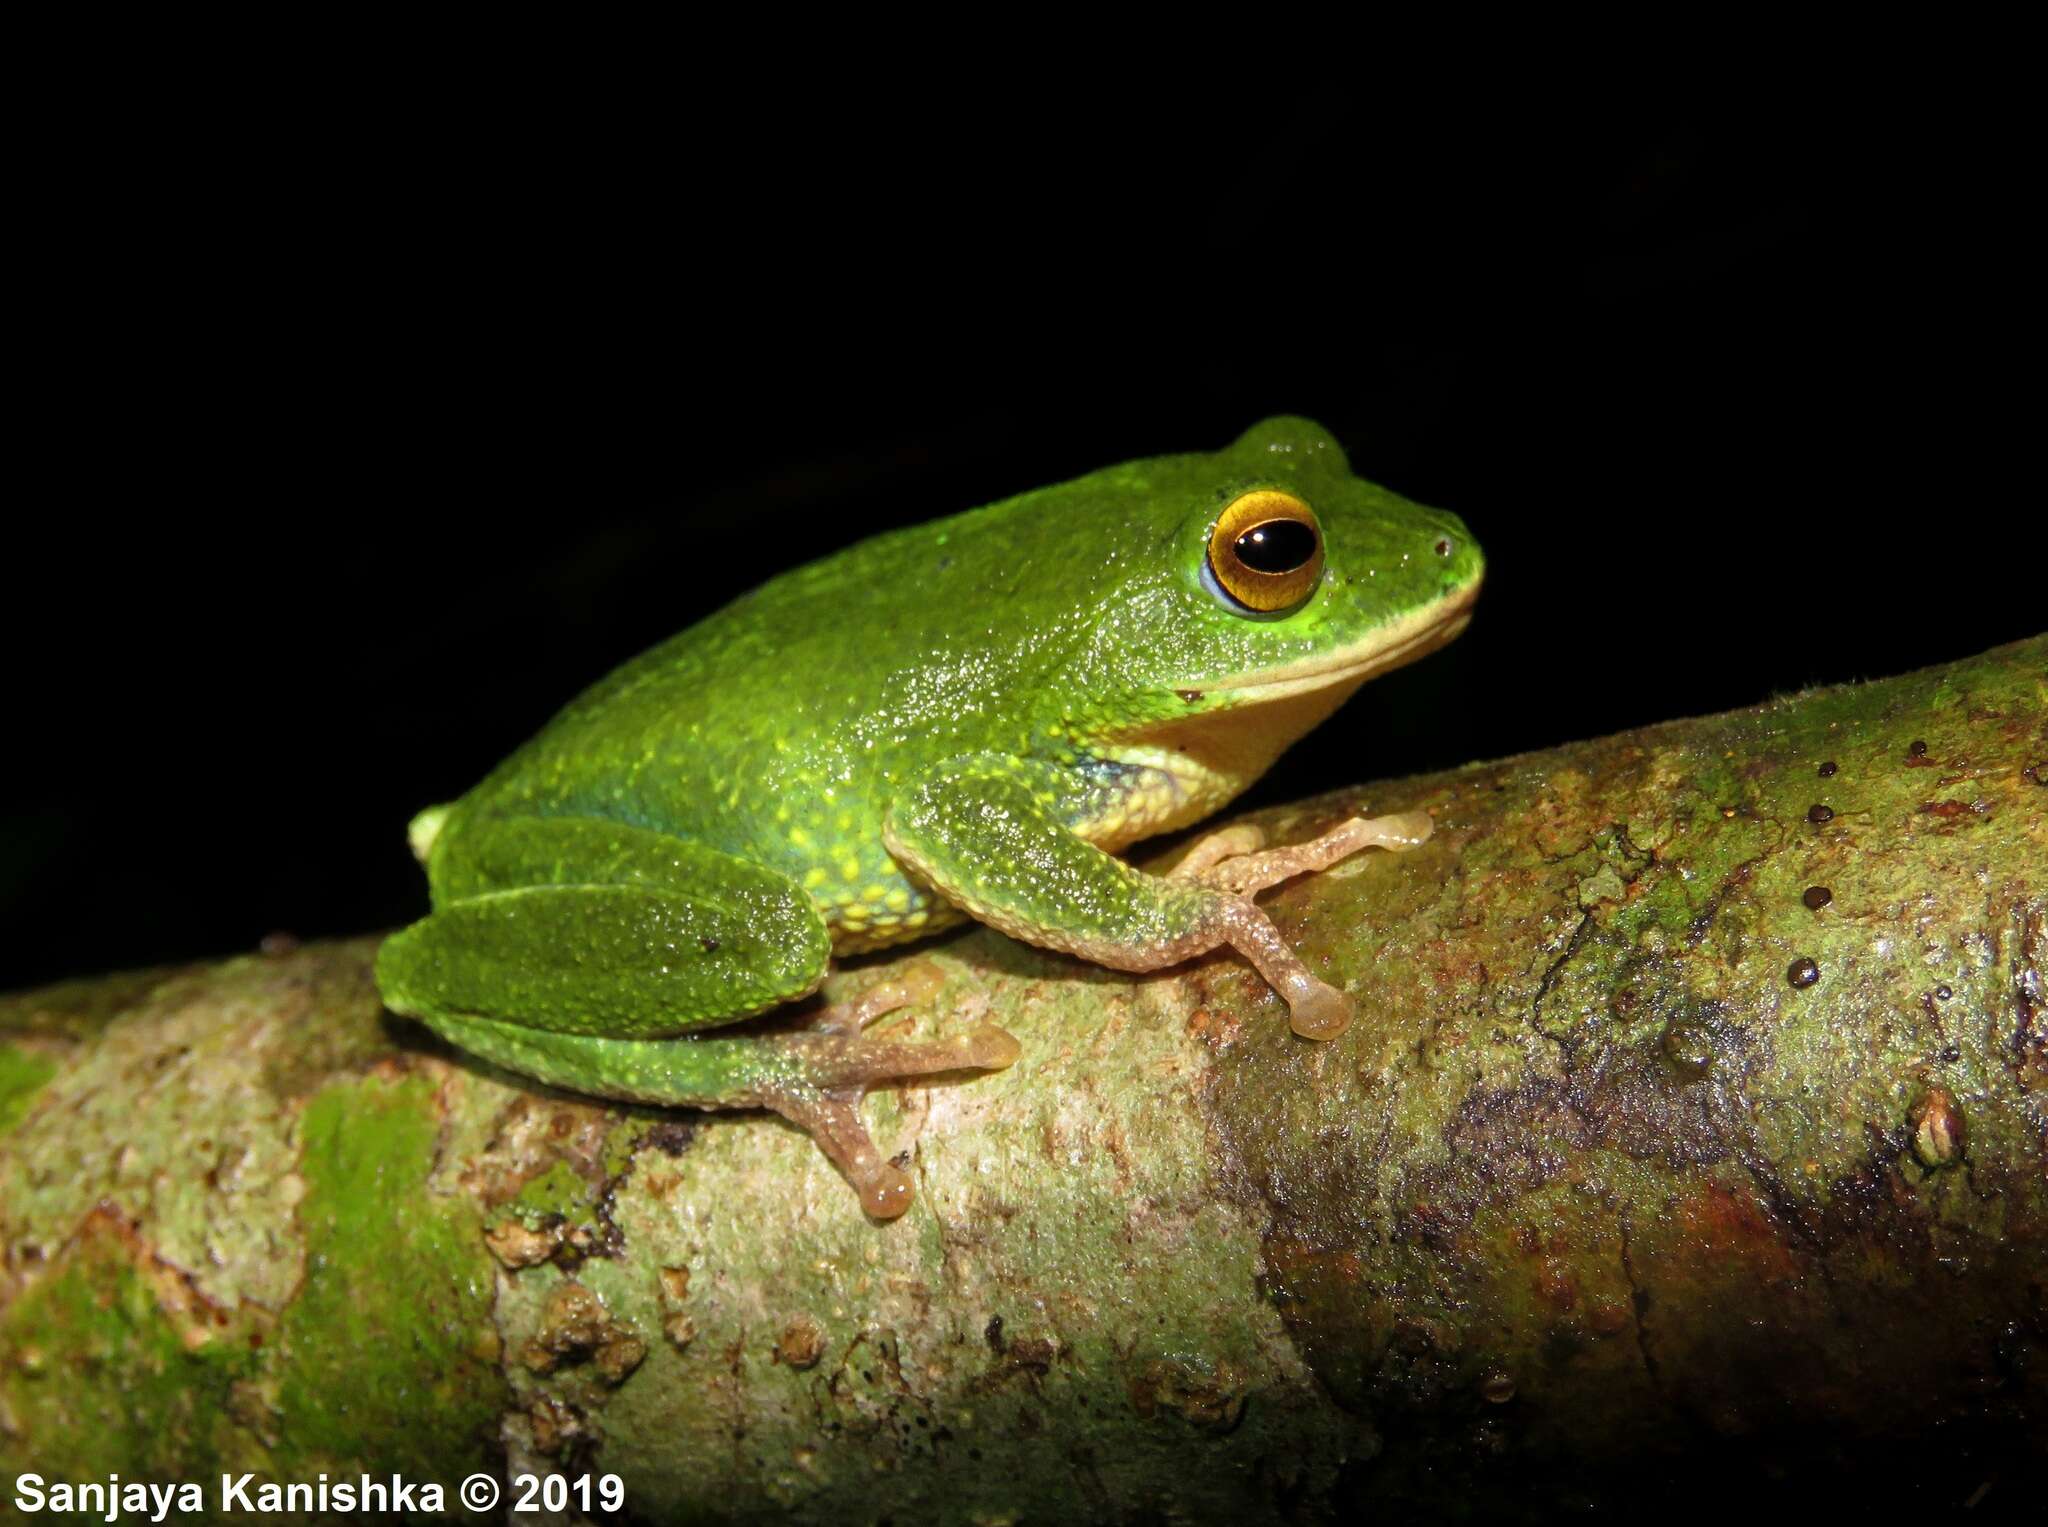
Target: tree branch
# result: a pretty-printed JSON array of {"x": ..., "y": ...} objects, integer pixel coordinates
[{"x": 1696, "y": 1119}]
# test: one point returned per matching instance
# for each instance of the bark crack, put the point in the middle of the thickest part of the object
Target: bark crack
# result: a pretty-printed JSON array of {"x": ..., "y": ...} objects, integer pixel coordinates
[
  {"x": 1549, "y": 979},
  {"x": 1639, "y": 1304}
]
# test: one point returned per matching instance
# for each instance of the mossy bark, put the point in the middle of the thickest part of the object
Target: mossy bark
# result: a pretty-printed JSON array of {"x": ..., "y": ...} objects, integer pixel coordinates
[{"x": 1694, "y": 1128}]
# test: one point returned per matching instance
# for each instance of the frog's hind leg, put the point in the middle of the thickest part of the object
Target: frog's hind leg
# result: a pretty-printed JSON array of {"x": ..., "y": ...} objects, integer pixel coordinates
[
  {"x": 583, "y": 953},
  {"x": 814, "y": 1076},
  {"x": 840, "y": 1063}
]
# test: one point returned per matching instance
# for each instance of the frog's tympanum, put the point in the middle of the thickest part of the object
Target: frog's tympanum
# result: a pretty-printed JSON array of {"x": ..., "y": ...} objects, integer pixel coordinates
[{"x": 965, "y": 719}]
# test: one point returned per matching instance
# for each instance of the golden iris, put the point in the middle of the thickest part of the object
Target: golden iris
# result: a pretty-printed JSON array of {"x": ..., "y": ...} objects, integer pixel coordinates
[{"x": 1267, "y": 550}]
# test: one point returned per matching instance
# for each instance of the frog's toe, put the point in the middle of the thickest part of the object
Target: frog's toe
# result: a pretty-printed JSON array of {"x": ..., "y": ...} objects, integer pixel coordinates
[
  {"x": 919, "y": 981},
  {"x": 835, "y": 1060},
  {"x": 828, "y": 1067},
  {"x": 1218, "y": 847},
  {"x": 1321, "y": 1013},
  {"x": 832, "y": 1119},
  {"x": 887, "y": 1192},
  {"x": 992, "y": 1048},
  {"x": 1245, "y": 874}
]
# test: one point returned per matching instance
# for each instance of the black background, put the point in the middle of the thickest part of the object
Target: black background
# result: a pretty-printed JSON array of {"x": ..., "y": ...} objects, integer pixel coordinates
[{"x": 360, "y": 445}]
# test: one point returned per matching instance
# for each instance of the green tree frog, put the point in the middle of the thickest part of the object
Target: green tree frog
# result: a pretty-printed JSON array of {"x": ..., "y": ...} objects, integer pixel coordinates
[{"x": 964, "y": 719}]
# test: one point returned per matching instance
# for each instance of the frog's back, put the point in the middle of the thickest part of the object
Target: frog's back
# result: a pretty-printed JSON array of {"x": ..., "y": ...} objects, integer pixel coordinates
[{"x": 777, "y": 728}]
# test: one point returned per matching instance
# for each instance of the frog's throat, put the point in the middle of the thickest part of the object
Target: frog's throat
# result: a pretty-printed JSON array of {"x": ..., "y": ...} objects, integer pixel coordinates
[
  {"x": 1194, "y": 765},
  {"x": 1399, "y": 642}
]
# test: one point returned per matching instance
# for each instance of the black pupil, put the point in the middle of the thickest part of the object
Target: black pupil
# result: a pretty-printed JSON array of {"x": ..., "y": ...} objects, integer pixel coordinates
[{"x": 1278, "y": 546}]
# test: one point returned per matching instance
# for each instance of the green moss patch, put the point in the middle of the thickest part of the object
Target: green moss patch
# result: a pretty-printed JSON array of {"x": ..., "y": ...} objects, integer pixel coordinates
[
  {"x": 21, "y": 1077},
  {"x": 394, "y": 1320}
]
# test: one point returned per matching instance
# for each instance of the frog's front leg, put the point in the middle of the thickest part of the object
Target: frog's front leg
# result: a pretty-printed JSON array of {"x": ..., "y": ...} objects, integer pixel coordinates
[
  {"x": 991, "y": 840},
  {"x": 580, "y": 952},
  {"x": 1212, "y": 848}
]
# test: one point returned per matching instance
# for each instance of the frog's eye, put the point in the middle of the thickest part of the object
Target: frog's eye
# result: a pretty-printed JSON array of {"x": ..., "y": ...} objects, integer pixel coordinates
[{"x": 1266, "y": 551}]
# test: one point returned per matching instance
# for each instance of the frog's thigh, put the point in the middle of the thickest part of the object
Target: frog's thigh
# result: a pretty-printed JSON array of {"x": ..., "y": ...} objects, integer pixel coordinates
[
  {"x": 993, "y": 848},
  {"x": 630, "y": 935}
]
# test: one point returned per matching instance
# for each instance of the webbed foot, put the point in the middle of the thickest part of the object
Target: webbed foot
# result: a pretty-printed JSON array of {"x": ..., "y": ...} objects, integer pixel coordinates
[
  {"x": 833, "y": 1063},
  {"x": 1234, "y": 860}
]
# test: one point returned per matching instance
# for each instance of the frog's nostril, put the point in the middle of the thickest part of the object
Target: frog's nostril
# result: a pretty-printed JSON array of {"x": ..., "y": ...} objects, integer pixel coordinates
[{"x": 1443, "y": 546}]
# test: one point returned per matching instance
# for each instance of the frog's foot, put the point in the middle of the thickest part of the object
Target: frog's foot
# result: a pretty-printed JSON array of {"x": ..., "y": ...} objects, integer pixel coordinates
[
  {"x": 1234, "y": 860},
  {"x": 833, "y": 1062},
  {"x": 814, "y": 1076},
  {"x": 1315, "y": 1009},
  {"x": 1212, "y": 848},
  {"x": 1226, "y": 860},
  {"x": 1231, "y": 861}
]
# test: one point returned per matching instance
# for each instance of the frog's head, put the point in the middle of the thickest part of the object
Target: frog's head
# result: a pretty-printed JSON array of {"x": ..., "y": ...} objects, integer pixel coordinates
[{"x": 1274, "y": 583}]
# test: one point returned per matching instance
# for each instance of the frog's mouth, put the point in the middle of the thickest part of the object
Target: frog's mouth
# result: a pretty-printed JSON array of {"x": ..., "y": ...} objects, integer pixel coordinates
[{"x": 1414, "y": 635}]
